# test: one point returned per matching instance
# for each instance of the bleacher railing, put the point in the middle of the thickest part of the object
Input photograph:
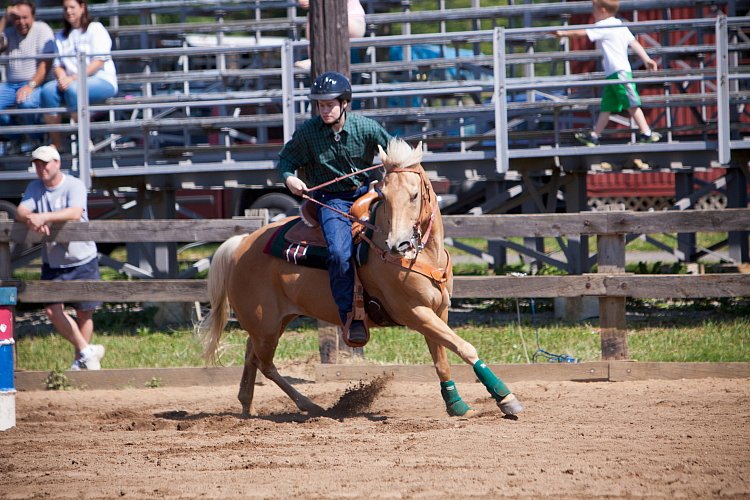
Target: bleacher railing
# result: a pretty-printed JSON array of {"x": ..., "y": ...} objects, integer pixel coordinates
[{"x": 219, "y": 101}]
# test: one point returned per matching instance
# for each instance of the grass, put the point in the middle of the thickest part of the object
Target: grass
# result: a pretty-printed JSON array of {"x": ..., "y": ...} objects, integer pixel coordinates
[
  {"x": 704, "y": 240},
  {"x": 693, "y": 332},
  {"x": 699, "y": 330}
]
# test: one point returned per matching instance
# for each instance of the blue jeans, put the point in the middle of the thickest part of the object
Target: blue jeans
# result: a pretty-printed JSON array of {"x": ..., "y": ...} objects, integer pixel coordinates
[
  {"x": 8, "y": 92},
  {"x": 337, "y": 230},
  {"x": 53, "y": 97}
]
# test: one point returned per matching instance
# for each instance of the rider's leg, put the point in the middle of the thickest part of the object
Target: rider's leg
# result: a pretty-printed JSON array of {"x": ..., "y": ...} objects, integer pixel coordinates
[
  {"x": 337, "y": 231},
  {"x": 338, "y": 234}
]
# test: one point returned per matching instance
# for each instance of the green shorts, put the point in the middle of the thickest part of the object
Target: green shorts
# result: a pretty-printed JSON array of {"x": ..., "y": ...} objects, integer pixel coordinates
[{"x": 620, "y": 96}]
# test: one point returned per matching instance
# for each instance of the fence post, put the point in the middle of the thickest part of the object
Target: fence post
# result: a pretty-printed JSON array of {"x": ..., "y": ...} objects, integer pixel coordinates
[
  {"x": 611, "y": 260},
  {"x": 328, "y": 342}
]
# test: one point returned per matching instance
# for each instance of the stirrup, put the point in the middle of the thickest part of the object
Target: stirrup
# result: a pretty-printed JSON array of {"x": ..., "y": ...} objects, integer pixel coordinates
[{"x": 345, "y": 332}]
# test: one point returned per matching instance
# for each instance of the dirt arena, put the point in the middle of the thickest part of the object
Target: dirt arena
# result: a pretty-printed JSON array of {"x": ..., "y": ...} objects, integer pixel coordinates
[{"x": 681, "y": 439}]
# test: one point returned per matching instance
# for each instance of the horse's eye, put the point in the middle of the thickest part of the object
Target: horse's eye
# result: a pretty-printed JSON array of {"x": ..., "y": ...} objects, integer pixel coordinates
[{"x": 414, "y": 197}]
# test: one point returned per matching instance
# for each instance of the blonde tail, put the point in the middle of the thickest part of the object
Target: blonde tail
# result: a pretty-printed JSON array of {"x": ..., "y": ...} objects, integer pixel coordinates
[{"x": 212, "y": 326}]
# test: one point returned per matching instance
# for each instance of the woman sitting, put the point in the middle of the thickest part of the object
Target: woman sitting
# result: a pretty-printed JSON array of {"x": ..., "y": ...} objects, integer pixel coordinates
[{"x": 78, "y": 35}]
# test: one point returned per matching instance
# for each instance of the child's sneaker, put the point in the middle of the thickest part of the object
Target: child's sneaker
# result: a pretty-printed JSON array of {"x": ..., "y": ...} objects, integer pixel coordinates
[
  {"x": 587, "y": 139},
  {"x": 90, "y": 358},
  {"x": 652, "y": 137}
]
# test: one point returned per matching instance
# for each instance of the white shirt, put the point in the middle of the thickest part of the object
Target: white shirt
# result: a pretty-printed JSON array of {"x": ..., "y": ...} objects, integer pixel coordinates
[
  {"x": 95, "y": 40},
  {"x": 613, "y": 44}
]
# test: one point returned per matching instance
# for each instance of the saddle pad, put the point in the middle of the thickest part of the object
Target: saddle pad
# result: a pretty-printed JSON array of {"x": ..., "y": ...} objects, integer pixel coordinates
[
  {"x": 309, "y": 253},
  {"x": 303, "y": 254}
]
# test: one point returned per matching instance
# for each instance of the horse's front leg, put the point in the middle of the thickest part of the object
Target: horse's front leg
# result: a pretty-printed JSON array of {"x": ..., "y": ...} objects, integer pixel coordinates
[
  {"x": 454, "y": 405},
  {"x": 434, "y": 329}
]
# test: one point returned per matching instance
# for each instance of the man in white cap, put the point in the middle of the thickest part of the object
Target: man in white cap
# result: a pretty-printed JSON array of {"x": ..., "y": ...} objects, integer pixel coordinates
[{"x": 57, "y": 197}]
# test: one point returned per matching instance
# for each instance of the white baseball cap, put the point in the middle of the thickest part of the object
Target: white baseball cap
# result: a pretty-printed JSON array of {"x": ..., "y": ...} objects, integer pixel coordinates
[{"x": 45, "y": 153}]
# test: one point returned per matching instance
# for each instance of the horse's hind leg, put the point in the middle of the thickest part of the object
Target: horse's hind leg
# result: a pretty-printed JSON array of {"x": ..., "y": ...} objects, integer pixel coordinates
[
  {"x": 247, "y": 383},
  {"x": 264, "y": 352},
  {"x": 302, "y": 401},
  {"x": 454, "y": 405}
]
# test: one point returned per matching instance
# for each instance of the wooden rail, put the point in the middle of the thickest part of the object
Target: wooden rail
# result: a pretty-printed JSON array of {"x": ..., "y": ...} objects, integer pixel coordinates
[{"x": 611, "y": 284}]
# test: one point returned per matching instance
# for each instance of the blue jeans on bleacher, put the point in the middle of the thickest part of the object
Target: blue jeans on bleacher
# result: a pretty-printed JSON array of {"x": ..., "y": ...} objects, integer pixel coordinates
[
  {"x": 8, "y": 92},
  {"x": 99, "y": 91}
]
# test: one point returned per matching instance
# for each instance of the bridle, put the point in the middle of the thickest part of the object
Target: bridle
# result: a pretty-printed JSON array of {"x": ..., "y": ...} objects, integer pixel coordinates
[
  {"x": 427, "y": 211},
  {"x": 420, "y": 234}
]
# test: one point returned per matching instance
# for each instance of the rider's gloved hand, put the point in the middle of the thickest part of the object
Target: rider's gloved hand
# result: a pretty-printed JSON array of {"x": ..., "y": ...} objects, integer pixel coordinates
[{"x": 296, "y": 185}]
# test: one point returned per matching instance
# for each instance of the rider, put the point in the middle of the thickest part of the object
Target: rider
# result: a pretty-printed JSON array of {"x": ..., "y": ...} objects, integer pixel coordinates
[{"x": 325, "y": 147}]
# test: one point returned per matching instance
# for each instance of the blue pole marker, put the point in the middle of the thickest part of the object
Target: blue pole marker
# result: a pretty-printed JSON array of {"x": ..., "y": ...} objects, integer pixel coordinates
[{"x": 7, "y": 382}]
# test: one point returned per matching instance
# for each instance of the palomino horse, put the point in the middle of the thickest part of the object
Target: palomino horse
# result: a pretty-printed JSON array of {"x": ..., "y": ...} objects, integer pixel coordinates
[{"x": 408, "y": 271}]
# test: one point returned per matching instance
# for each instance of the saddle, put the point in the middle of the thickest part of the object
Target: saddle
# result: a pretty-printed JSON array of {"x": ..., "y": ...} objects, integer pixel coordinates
[
  {"x": 361, "y": 209},
  {"x": 300, "y": 241}
]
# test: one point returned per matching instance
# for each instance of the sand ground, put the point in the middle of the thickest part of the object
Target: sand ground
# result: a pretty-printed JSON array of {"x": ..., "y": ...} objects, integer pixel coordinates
[{"x": 677, "y": 439}]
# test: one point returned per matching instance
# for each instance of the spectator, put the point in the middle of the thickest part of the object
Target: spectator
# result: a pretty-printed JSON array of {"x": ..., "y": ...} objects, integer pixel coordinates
[
  {"x": 322, "y": 149},
  {"x": 24, "y": 37},
  {"x": 79, "y": 34},
  {"x": 613, "y": 43},
  {"x": 57, "y": 197},
  {"x": 357, "y": 27}
]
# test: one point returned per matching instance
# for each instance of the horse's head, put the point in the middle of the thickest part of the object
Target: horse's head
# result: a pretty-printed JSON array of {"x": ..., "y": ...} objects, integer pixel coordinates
[{"x": 407, "y": 198}]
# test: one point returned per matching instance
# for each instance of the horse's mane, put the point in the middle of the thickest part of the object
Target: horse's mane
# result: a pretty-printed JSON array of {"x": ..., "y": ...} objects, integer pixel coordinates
[{"x": 400, "y": 154}]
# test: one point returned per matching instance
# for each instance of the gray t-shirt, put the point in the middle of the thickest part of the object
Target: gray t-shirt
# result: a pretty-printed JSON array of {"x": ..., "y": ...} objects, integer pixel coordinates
[
  {"x": 70, "y": 193},
  {"x": 39, "y": 40}
]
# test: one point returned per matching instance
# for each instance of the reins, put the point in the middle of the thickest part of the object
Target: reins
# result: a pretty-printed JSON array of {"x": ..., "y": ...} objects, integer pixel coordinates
[
  {"x": 339, "y": 212},
  {"x": 342, "y": 177}
]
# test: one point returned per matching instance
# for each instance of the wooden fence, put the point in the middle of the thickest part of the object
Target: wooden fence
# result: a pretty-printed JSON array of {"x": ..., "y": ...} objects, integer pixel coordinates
[{"x": 611, "y": 284}]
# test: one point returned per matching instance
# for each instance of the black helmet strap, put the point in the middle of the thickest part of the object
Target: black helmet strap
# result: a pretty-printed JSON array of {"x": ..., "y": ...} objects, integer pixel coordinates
[{"x": 342, "y": 113}]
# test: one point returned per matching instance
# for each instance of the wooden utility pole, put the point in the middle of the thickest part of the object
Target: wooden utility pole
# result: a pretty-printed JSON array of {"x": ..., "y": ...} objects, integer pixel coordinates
[
  {"x": 329, "y": 37},
  {"x": 329, "y": 51}
]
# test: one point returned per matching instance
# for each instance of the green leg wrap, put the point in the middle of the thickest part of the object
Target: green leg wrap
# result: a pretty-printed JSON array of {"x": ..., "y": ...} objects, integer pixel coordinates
[
  {"x": 453, "y": 403},
  {"x": 494, "y": 385}
]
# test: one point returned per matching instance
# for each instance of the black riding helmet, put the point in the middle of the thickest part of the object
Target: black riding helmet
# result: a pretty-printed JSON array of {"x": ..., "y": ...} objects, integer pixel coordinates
[{"x": 331, "y": 85}]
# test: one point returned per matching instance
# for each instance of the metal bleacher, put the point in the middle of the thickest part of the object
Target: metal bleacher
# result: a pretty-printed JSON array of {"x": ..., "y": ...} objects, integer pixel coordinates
[{"x": 209, "y": 93}]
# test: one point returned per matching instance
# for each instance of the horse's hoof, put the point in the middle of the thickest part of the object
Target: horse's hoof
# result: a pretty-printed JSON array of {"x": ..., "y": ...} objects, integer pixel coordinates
[
  {"x": 510, "y": 405},
  {"x": 248, "y": 413},
  {"x": 313, "y": 411},
  {"x": 459, "y": 409}
]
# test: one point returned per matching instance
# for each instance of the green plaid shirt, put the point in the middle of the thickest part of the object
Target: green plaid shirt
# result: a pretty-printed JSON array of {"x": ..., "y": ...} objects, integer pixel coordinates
[{"x": 317, "y": 157}]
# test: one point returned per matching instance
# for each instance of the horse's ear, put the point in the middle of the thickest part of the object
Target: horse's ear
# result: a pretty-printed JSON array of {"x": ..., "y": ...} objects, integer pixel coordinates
[
  {"x": 419, "y": 146},
  {"x": 381, "y": 152}
]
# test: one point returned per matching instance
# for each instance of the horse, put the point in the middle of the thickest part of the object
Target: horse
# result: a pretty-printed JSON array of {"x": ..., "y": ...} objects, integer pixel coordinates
[{"x": 408, "y": 270}]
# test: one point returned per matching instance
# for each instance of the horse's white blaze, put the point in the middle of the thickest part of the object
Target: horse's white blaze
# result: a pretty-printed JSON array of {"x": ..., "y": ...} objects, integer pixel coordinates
[{"x": 402, "y": 191}]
